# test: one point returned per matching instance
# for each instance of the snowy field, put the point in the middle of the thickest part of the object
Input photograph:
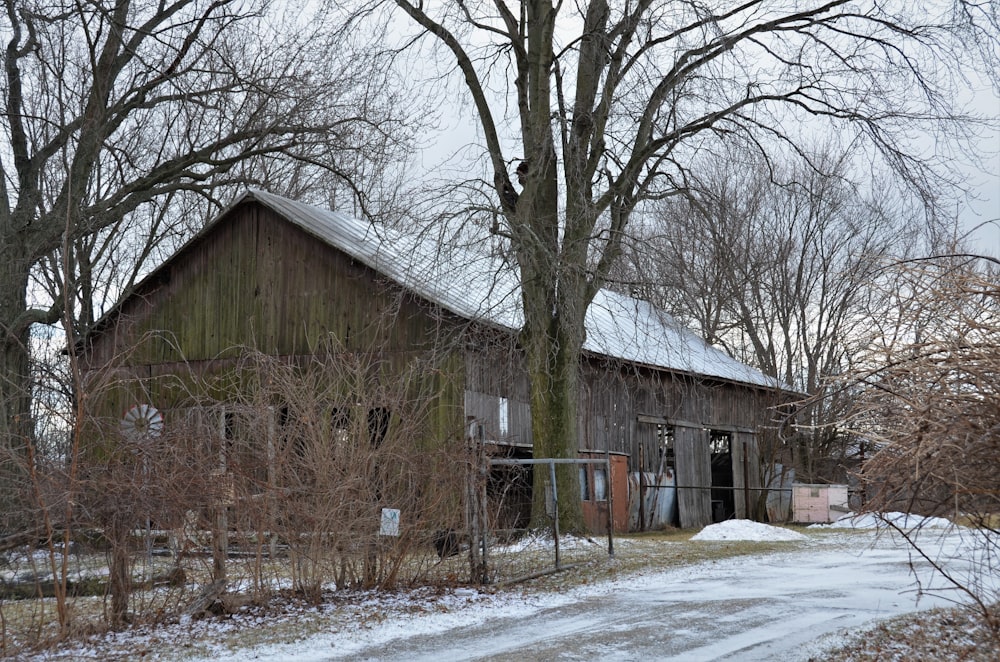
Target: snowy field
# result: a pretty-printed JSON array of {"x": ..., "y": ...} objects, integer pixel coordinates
[{"x": 788, "y": 604}]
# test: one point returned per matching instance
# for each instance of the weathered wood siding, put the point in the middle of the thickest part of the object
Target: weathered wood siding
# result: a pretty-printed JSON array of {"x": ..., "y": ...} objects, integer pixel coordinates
[
  {"x": 613, "y": 397},
  {"x": 739, "y": 478},
  {"x": 620, "y": 410},
  {"x": 257, "y": 281},
  {"x": 694, "y": 476},
  {"x": 495, "y": 380},
  {"x": 621, "y": 407},
  {"x": 746, "y": 474}
]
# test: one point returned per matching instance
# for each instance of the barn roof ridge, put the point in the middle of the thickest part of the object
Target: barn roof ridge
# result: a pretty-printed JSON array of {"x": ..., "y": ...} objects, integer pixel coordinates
[{"x": 482, "y": 287}]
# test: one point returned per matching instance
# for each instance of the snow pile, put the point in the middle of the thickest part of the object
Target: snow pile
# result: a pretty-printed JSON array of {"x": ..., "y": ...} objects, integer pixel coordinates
[
  {"x": 744, "y": 529},
  {"x": 903, "y": 521}
]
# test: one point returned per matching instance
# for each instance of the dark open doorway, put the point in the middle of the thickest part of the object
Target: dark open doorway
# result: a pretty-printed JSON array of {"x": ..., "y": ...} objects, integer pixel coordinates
[{"x": 721, "y": 453}]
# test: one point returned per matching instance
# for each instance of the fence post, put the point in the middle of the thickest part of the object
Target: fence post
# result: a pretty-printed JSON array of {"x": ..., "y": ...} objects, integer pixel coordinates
[
  {"x": 475, "y": 507},
  {"x": 555, "y": 508},
  {"x": 484, "y": 476},
  {"x": 611, "y": 506},
  {"x": 746, "y": 484}
]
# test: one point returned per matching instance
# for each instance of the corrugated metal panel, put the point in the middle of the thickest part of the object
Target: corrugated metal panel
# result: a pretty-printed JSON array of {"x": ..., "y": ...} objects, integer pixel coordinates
[{"x": 478, "y": 286}]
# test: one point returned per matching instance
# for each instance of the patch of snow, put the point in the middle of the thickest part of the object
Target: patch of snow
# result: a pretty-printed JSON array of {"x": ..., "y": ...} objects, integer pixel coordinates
[
  {"x": 544, "y": 542},
  {"x": 904, "y": 521},
  {"x": 744, "y": 529}
]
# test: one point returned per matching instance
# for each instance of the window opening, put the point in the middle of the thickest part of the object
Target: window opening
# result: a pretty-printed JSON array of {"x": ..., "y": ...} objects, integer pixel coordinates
[
  {"x": 600, "y": 484},
  {"x": 340, "y": 421},
  {"x": 503, "y": 417},
  {"x": 665, "y": 443},
  {"x": 720, "y": 442},
  {"x": 584, "y": 486}
]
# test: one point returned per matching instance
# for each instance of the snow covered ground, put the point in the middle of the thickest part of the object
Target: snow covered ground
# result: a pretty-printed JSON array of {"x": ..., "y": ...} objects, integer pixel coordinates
[
  {"x": 792, "y": 600},
  {"x": 903, "y": 521},
  {"x": 784, "y": 605}
]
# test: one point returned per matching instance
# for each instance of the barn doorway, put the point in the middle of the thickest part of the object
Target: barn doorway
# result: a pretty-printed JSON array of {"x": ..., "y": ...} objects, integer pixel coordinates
[
  {"x": 721, "y": 454},
  {"x": 508, "y": 488}
]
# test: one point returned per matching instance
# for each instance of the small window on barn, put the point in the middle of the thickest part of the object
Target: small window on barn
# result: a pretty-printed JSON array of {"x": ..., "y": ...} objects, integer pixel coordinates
[
  {"x": 378, "y": 425},
  {"x": 340, "y": 424},
  {"x": 720, "y": 443},
  {"x": 600, "y": 484},
  {"x": 229, "y": 425},
  {"x": 503, "y": 417},
  {"x": 665, "y": 443},
  {"x": 584, "y": 484}
]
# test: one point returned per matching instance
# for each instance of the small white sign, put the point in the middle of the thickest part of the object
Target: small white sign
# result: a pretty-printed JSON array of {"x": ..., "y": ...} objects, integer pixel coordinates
[{"x": 390, "y": 522}]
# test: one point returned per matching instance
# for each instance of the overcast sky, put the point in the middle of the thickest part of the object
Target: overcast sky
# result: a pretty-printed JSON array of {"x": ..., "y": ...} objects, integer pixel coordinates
[
  {"x": 987, "y": 209},
  {"x": 450, "y": 150}
]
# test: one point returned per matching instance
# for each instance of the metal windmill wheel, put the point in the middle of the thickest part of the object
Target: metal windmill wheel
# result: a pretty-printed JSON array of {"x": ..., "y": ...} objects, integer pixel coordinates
[{"x": 142, "y": 421}]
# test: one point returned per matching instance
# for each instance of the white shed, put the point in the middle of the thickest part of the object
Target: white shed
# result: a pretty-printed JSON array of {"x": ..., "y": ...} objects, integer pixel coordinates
[{"x": 818, "y": 503}]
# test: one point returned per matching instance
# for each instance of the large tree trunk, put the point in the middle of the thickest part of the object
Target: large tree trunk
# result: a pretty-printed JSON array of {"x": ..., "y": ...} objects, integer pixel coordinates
[
  {"x": 15, "y": 390},
  {"x": 553, "y": 357}
]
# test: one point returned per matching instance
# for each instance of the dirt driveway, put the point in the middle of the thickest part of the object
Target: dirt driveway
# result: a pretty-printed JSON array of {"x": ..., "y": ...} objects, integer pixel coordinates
[{"x": 771, "y": 607}]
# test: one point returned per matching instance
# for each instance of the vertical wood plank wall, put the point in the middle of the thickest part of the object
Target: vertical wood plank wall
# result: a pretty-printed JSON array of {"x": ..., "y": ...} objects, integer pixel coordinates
[
  {"x": 612, "y": 400},
  {"x": 694, "y": 476},
  {"x": 256, "y": 280}
]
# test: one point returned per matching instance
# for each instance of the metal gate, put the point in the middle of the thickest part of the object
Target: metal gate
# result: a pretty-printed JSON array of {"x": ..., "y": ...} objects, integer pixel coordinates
[{"x": 502, "y": 547}]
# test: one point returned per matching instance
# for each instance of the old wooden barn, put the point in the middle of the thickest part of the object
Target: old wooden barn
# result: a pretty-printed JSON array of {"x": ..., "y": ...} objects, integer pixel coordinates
[{"x": 279, "y": 276}]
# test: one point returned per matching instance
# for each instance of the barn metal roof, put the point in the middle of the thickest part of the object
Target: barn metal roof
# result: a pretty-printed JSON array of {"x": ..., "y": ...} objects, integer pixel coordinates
[{"x": 476, "y": 285}]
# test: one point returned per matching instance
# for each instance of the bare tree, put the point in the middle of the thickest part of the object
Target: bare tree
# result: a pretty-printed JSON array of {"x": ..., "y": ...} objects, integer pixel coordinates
[
  {"x": 603, "y": 107},
  {"x": 928, "y": 405},
  {"x": 784, "y": 265},
  {"x": 112, "y": 105}
]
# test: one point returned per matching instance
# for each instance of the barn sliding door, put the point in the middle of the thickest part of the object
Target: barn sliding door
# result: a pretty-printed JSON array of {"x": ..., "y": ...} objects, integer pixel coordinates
[{"x": 694, "y": 476}]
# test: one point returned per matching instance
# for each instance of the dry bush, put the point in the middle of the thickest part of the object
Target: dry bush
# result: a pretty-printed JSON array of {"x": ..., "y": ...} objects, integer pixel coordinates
[
  {"x": 133, "y": 491},
  {"x": 275, "y": 483},
  {"x": 928, "y": 404},
  {"x": 314, "y": 452},
  {"x": 278, "y": 480}
]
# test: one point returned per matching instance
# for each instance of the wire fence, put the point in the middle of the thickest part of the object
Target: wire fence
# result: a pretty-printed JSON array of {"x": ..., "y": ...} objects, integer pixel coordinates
[{"x": 502, "y": 548}]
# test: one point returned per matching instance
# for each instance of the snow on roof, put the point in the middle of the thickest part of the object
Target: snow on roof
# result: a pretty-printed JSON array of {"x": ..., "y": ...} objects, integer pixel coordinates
[{"x": 478, "y": 286}]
